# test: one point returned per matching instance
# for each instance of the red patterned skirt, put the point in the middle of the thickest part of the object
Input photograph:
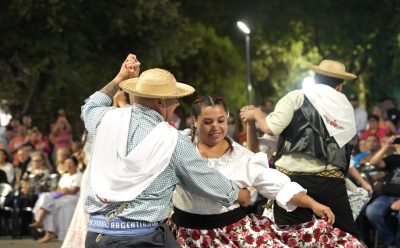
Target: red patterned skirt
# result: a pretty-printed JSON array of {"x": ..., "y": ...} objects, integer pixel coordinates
[{"x": 259, "y": 231}]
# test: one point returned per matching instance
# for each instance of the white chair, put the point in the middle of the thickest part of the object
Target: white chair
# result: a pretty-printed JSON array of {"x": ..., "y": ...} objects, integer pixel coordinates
[
  {"x": 53, "y": 181},
  {"x": 5, "y": 191}
]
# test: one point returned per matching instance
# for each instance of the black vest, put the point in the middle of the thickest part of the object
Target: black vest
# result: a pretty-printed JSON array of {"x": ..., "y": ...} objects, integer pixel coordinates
[{"x": 307, "y": 134}]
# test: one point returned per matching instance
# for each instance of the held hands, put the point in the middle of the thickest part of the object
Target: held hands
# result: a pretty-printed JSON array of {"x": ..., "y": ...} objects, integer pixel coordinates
[
  {"x": 249, "y": 113},
  {"x": 129, "y": 69},
  {"x": 244, "y": 197}
]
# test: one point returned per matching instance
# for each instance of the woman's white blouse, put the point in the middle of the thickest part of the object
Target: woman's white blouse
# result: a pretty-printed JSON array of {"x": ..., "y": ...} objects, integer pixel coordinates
[
  {"x": 68, "y": 181},
  {"x": 245, "y": 169}
]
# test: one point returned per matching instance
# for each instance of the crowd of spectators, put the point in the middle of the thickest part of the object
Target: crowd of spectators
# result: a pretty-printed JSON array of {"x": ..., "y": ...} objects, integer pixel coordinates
[
  {"x": 40, "y": 164},
  {"x": 33, "y": 161}
]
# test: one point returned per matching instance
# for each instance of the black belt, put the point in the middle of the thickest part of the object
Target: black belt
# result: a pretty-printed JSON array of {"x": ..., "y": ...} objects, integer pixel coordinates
[
  {"x": 327, "y": 173},
  {"x": 211, "y": 221}
]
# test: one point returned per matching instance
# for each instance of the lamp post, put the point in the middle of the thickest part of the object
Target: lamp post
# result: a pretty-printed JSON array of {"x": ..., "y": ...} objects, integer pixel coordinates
[{"x": 243, "y": 27}]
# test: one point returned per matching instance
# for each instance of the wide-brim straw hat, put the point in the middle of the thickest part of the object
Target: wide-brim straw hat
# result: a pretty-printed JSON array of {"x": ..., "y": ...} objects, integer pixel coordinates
[
  {"x": 332, "y": 68},
  {"x": 156, "y": 83}
]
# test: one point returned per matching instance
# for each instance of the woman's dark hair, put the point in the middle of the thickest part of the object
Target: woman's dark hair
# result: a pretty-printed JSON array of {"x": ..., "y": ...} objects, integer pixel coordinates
[
  {"x": 5, "y": 154},
  {"x": 206, "y": 101},
  {"x": 373, "y": 117},
  {"x": 330, "y": 81}
]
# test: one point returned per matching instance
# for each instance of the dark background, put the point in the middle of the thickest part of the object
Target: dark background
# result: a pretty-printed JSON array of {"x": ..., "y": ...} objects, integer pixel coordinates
[{"x": 55, "y": 53}]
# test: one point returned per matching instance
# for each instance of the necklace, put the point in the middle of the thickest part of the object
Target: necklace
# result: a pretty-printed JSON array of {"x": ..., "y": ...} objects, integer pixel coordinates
[{"x": 216, "y": 151}]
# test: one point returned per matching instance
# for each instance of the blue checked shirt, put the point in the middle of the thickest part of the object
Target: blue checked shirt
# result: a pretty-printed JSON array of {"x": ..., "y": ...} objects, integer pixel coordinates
[{"x": 186, "y": 168}]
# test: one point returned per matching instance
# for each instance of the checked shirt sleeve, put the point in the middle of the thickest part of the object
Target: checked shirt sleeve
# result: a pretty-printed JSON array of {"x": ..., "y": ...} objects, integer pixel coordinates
[
  {"x": 94, "y": 109},
  {"x": 196, "y": 177}
]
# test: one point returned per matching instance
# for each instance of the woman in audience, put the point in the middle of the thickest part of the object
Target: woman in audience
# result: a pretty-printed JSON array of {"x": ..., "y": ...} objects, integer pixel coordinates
[
  {"x": 35, "y": 178},
  {"x": 17, "y": 142},
  {"x": 61, "y": 133},
  {"x": 61, "y": 154},
  {"x": 48, "y": 206},
  {"x": 36, "y": 140},
  {"x": 384, "y": 122},
  {"x": 373, "y": 128},
  {"x": 201, "y": 222}
]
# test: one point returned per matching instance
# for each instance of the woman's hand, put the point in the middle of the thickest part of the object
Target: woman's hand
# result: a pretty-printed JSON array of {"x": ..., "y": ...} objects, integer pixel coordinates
[
  {"x": 248, "y": 113},
  {"x": 323, "y": 211},
  {"x": 244, "y": 197},
  {"x": 303, "y": 200}
]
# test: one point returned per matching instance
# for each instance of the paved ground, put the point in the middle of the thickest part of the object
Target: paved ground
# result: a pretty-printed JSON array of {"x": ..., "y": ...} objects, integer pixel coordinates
[{"x": 26, "y": 242}]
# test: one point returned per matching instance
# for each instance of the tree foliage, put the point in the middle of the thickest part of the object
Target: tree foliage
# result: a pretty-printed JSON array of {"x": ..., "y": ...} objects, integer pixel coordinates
[
  {"x": 55, "y": 53},
  {"x": 361, "y": 34}
]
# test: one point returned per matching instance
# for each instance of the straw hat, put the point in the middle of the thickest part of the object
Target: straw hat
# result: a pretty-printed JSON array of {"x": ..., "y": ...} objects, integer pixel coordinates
[
  {"x": 156, "y": 83},
  {"x": 332, "y": 68}
]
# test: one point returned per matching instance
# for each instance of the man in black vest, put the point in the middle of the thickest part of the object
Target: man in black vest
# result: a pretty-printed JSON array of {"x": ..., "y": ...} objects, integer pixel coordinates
[{"x": 317, "y": 131}]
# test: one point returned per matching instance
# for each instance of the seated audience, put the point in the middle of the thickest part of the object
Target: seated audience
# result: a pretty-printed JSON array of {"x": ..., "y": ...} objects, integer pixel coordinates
[
  {"x": 48, "y": 206},
  {"x": 390, "y": 192},
  {"x": 371, "y": 146},
  {"x": 373, "y": 128},
  {"x": 384, "y": 122}
]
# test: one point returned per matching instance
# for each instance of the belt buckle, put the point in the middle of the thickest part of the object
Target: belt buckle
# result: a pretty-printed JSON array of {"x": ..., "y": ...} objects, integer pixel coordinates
[{"x": 99, "y": 237}]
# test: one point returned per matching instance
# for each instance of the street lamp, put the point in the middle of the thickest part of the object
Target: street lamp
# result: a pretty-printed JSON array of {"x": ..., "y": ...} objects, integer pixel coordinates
[{"x": 243, "y": 27}]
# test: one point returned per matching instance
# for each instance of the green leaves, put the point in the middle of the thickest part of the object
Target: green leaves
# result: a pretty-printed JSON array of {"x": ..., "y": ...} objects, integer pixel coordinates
[{"x": 53, "y": 54}]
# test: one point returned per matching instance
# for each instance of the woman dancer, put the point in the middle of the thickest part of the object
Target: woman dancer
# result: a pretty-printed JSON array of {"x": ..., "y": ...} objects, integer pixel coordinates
[
  {"x": 76, "y": 234},
  {"x": 200, "y": 222}
]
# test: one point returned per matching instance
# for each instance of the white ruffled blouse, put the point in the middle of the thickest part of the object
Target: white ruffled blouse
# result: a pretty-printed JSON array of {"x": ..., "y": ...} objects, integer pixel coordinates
[{"x": 245, "y": 169}]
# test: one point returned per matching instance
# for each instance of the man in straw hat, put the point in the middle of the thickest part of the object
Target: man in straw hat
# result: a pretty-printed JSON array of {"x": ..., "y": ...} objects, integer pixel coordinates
[
  {"x": 138, "y": 158},
  {"x": 317, "y": 131}
]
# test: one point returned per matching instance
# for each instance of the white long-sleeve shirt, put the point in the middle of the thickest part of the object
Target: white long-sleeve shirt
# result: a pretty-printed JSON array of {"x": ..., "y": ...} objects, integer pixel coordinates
[{"x": 245, "y": 169}]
